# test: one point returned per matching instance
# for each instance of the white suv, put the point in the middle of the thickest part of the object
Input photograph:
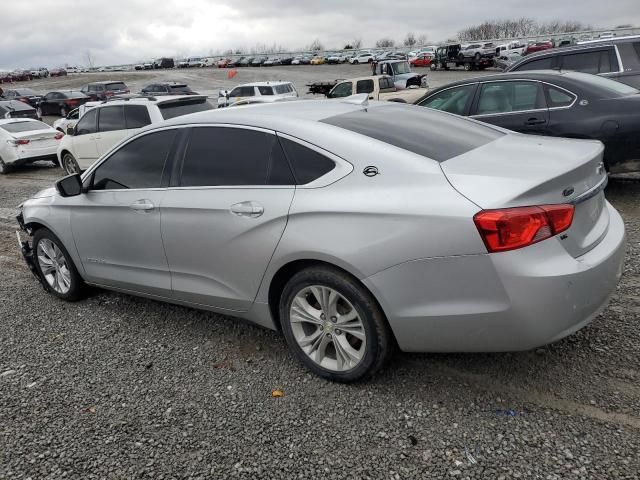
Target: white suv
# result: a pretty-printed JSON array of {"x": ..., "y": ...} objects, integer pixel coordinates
[
  {"x": 362, "y": 57},
  {"x": 105, "y": 125},
  {"x": 258, "y": 92}
]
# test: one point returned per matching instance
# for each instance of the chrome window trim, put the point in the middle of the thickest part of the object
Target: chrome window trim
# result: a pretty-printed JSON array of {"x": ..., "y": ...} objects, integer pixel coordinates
[{"x": 575, "y": 97}]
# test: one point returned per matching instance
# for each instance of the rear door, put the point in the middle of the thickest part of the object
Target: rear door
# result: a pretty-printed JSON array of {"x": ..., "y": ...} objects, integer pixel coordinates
[
  {"x": 518, "y": 105},
  {"x": 224, "y": 216},
  {"x": 111, "y": 128}
]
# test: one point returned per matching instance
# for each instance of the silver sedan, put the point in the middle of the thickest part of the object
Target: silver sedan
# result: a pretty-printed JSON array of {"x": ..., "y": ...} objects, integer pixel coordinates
[{"x": 352, "y": 228}]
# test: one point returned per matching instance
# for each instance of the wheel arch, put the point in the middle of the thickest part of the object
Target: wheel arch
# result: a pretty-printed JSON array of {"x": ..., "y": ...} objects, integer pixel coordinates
[{"x": 289, "y": 269}]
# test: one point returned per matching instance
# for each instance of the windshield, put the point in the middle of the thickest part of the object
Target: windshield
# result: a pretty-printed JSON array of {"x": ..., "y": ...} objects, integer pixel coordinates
[
  {"x": 400, "y": 68},
  {"x": 183, "y": 107},
  {"x": 611, "y": 86},
  {"x": 19, "y": 127},
  {"x": 180, "y": 88}
]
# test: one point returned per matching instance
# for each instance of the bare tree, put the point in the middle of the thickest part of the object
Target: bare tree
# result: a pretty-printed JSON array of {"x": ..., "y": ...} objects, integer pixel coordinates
[
  {"x": 357, "y": 43},
  {"x": 521, "y": 27},
  {"x": 315, "y": 46},
  {"x": 385, "y": 43},
  {"x": 422, "y": 39},
  {"x": 88, "y": 59},
  {"x": 409, "y": 40}
]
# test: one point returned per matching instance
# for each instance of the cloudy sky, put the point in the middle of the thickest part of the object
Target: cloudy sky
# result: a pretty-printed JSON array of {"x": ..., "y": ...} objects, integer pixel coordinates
[{"x": 54, "y": 33}]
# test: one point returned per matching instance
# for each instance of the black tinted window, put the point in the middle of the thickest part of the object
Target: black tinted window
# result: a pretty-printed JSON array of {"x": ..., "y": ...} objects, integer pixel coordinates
[
  {"x": 87, "y": 123},
  {"x": 136, "y": 116},
  {"x": 541, "y": 64},
  {"x": 183, "y": 107},
  {"x": 422, "y": 131},
  {"x": 110, "y": 119},
  {"x": 116, "y": 86},
  {"x": 307, "y": 164},
  {"x": 220, "y": 156},
  {"x": 139, "y": 164},
  {"x": 587, "y": 62},
  {"x": 557, "y": 97},
  {"x": 364, "y": 86},
  {"x": 265, "y": 90}
]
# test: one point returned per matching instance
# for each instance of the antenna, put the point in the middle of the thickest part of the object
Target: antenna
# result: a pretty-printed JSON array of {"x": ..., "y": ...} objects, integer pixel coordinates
[{"x": 361, "y": 99}]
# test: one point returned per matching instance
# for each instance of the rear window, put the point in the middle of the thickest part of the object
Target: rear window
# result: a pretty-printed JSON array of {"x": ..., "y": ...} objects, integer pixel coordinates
[
  {"x": 180, "y": 88},
  {"x": 15, "y": 106},
  {"x": 116, "y": 86},
  {"x": 19, "y": 127},
  {"x": 285, "y": 88},
  {"x": 183, "y": 107},
  {"x": 419, "y": 130}
]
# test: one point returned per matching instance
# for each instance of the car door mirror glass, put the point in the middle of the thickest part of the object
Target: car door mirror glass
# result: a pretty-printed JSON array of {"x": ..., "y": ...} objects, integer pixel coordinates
[
  {"x": 71, "y": 130},
  {"x": 69, "y": 186}
]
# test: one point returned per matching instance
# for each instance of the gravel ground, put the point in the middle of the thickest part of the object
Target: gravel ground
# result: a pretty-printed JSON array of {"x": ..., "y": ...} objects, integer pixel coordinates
[{"x": 117, "y": 387}]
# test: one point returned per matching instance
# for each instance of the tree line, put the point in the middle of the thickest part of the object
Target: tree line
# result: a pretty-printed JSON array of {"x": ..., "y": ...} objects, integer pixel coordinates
[{"x": 521, "y": 27}]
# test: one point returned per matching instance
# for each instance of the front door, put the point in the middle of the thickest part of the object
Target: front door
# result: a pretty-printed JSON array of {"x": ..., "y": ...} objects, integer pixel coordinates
[
  {"x": 517, "y": 105},
  {"x": 84, "y": 140},
  {"x": 117, "y": 226},
  {"x": 224, "y": 218}
]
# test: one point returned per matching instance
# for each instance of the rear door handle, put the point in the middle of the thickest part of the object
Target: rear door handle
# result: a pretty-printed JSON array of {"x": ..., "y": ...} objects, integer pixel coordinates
[
  {"x": 249, "y": 209},
  {"x": 142, "y": 205},
  {"x": 535, "y": 121}
]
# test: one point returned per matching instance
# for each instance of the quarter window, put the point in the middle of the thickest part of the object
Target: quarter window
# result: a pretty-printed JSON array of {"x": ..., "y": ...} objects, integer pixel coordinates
[
  {"x": 87, "y": 123},
  {"x": 136, "y": 116},
  {"x": 504, "y": 97},
  {"x": 111, "y": 119},
  {"x": 221, "y": 156},
  {"x": 452, "y": 100},
  {"x": 558, "y": 98},
  {"x": 138, "y": 164},
  {"x": 308, "y": 165}
]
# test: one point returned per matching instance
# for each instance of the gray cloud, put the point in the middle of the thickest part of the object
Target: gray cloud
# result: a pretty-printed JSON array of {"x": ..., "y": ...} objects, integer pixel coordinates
[{"x": 124, "y": 31}]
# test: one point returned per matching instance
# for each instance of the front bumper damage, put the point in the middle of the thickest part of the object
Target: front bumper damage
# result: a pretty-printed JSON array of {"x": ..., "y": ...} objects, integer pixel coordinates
[{"x": 27, "y": 252}]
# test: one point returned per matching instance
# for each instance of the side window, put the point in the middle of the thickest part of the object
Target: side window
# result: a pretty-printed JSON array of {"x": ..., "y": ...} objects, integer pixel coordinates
[
  {"x": 629, "y": 54},
  {"x": 136, "y": 116},
  {"x": 364, "y": 86},
  {"x": 452, "y": 100},
  {"x": 111, "y": 118},
  {"x": 558, "y": 98},
  {"x": 222, "y": 156},
  {"x": 87, "y": 123},
  {"x": 386, "y": 82},
  {"x": 247, "y": 91},
  {"x": 343, "y": 89},
  {"x": 541, "y": 64},
  {"x": 307, "y": 164},
  {"x": 265, "y": 90},
  {"x": 587, "y": 62},
  {"x": 138, "y": 164},
  {"x": 504, "y": 97}
]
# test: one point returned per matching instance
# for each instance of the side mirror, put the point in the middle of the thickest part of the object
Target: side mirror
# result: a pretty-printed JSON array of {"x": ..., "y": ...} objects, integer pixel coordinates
[
  {"x": 69, "y": 186},
  {"x": 71, "y": 130}
]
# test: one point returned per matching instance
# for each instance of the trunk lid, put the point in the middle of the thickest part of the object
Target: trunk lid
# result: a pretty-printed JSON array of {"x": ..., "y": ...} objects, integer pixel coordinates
[
  {"x": 37, "y": 138},
  {"x": 522, "y": 170}
]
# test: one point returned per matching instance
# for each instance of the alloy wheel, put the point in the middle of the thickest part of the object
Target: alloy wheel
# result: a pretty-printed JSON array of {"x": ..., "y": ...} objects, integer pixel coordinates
[
  {"x": 328, "y": 328},
  {"x": 53, "y": 266},
  {"x": 70, "y": 165}
]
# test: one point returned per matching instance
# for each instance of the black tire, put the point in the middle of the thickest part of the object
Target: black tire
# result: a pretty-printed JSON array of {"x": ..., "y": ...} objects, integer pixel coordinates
[
  {"x": 4, "y": 168},
  {"x": 477, "y": 56},
  {"x": 433, "y": 66},
  {"x": 77, "y": 288},
  {"x": 468, "y": 67},
  {"x": 380, "y": 343},
  {"x": 356, "y": 62},
  {"x": 69, "y": 164}
]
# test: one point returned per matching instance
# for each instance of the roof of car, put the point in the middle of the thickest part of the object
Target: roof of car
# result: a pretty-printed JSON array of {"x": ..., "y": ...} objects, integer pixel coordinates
[
  {"x": 4, "y": 121},
  {"x": 16, "y": 104},
  {"x": 105, "y": 82},
  {"x": 263, "y": 84},
  {"x": 150, "y": 99}
]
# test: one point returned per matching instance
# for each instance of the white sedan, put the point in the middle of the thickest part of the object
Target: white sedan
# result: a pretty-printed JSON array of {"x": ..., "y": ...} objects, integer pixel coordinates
[{"x": 24, "y": 140}]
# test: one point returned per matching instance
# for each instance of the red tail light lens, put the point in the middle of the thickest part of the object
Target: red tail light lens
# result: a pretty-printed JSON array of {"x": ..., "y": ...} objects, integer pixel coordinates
[
  {"x": 513, "y": 228},
  {"x": 58, "y": 135},
  {"x": 18, "y": 142}
]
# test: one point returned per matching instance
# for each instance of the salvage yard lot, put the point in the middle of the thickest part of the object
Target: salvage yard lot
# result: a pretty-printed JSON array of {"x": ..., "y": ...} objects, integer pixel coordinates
[{"x": 121, "y": 387}]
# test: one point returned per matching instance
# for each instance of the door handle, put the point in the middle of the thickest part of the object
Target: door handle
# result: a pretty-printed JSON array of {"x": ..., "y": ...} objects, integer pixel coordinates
[
  {"x": 535, "y": 121},
  {"x": 142, "y": 205},
  {"x": 247, "y": 209}
]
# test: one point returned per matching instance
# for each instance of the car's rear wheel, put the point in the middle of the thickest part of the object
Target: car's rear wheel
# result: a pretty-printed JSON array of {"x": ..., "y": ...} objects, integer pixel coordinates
[
  {"x": 333, "y": 325},
  {"x": 356, "y": 62},
  {"x": 70, "y": 164},
  {"x": 4, "y": 168},
  {"x": 55, "y": 266}
]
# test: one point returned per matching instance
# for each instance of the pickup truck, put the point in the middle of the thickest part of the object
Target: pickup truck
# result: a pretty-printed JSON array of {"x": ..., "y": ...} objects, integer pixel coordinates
[
  {"x": 379, "y": 87},
  {"x": 400, "y": 72}
]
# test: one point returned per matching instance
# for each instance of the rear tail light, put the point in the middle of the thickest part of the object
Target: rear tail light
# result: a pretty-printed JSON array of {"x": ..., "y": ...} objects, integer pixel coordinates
[
  {"x": 58, "y": 135},
  {"x": 15, "y": 143},
  {"x": 513, "y": 228}
]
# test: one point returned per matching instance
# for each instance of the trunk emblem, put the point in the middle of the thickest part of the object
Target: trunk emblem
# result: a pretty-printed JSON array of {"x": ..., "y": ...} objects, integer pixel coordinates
[
  {"x": 568, "y": 191},
  {"x": 371, "y": 171}
]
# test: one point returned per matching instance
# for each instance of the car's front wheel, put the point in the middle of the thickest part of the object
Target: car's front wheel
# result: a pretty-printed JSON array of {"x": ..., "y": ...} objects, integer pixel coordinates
[
  {"x": 70, "y": 164},
  {"x": 334, "y": 325},
  {"x": 55, "y": 266}
]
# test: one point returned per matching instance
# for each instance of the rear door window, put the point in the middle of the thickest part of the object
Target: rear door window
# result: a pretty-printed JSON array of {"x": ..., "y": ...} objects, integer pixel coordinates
[
  {"x": 586, "y": 62},
  {"x": 111, "y": 119},
  {"x": 136, "y": 116},
  {"x": 506, "y": 97},
  {"x": 225, "y": 156},
  {"x": 343, "y": 89},
  {"x": 265, "y": 90}
]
